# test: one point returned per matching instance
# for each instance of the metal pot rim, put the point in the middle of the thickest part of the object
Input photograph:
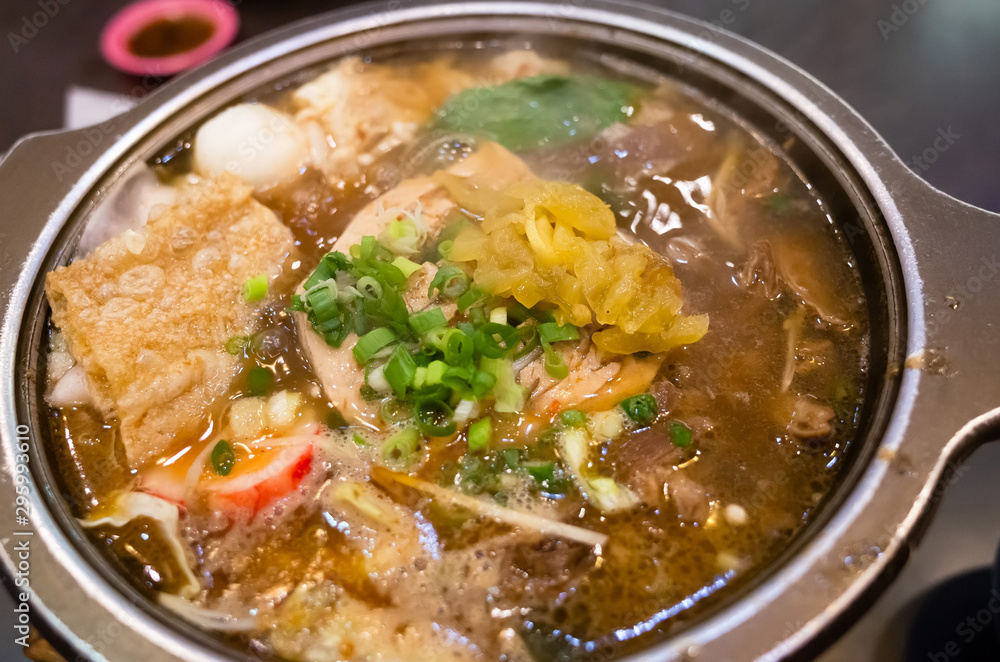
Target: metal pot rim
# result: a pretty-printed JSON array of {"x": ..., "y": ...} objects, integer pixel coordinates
[{"x": 936, "y": 420}]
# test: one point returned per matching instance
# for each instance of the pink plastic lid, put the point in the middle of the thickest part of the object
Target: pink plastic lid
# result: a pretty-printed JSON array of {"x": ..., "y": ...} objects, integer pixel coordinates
[{"x": 127, "y": 24}]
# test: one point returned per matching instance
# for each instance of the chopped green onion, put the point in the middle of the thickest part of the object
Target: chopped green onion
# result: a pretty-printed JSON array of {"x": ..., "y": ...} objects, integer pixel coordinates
[
  {"x": 554, "y": 364},
  {"x": 401, "y": 236},
  {"x": 498, "y": 315},
  {"x": 259, "y": 380},
  {"x": 375, "y": 378},
  {"x": 255, "y": 289},
  {"x": 458, "y": 377},
  {"x": 459, "y": 348},
  {"x": 435, "y": 372},
  {"x": 223, "y": 458},
  {"x": 322, "y": 305},
  {"x": 408, "y": 267},
  {"x": 487, "y": 343},
  {"x": 399, "y": 370},
  {"x": 480, "y": 433},
  {"x": 444, "y": 248},
  {"x": 477, "y": 316},
  {"x": 359, "y": 440},
  {"x": 508, "y": 394},
  {"x": 324, "y": 272},
  {"x": 641, "y": 408},
  {"x": 451, "y": 281},
  {"x": 400, "y": 447},
  {"x": 437, "y": 338},
  {"x": 370, "y": 288},
  {"x": 370, "y": 343},
  {"x": 512, "y": 458},
  {"x": 481, "y": 383},
  {"x": 426, "y": 320},
  {"x": 237, "y": 345},
  {"x": 420, "y": 377},
  {"x": 517, "y": 313},
  {"x": 551, "y": 332},
  {"x": 434, "y": 419},
  {"x": 529, "y": 339},
  {"x": 680, "y": 434},
  {"x": 540, "y": 471},
  {"x": 471, "y": 297},
  {"x": 573, "y": 418}
]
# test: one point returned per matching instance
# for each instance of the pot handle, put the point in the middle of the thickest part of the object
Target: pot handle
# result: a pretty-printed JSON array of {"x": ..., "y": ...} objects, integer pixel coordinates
[
  {"x": 37, "y": 179},
  {"x": 957, "y": 250}
]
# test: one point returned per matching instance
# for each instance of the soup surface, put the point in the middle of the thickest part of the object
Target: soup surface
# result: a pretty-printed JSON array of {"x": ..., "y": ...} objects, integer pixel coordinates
[{"x": 498, "y": 358}]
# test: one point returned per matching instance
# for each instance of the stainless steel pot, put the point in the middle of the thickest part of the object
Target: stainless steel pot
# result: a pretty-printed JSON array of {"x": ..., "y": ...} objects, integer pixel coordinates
[{"x": 929, "y": 263}]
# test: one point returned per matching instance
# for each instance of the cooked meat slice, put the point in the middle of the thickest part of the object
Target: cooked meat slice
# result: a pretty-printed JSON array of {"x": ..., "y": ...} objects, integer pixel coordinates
[
  {"x": 810, "y": 419},
  {"x": 426, "y": 201},
  {"x": 539, "y": 571},
  {"x": 149, "y": 312},
  {"x": 813, "y": 275},
  {"x": 643, "y": 450},
  {"x": 690, "y": 498},
  {"x": 595, "y": 382},
  {"x": 338, "y": 371},
  {"x": 420, "y": 198},
  {"x": 759, "y": 272}
]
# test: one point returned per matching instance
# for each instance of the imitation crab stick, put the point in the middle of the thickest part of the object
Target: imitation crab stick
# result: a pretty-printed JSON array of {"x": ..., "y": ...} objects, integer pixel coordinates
[{"x": 272, "y": 469}]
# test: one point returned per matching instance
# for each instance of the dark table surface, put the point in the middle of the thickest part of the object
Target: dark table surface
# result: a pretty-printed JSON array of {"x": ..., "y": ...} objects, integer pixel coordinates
[{"x": 913, "y": 68}]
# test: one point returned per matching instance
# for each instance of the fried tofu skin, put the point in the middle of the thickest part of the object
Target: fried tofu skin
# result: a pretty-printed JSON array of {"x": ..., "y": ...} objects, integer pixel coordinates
[{"x": 149, "y": 312}]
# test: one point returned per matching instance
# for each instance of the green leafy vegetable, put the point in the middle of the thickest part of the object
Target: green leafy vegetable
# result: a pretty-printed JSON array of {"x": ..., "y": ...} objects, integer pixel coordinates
[{"x": 529, "y": 113}]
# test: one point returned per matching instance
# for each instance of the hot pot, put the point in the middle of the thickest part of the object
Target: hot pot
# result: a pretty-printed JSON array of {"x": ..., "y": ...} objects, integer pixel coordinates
[{"x": 929, "y": 263}]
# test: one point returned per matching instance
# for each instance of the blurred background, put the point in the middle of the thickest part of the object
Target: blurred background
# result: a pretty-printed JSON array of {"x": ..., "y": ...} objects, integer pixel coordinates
[{"x": 915, "y": 69}]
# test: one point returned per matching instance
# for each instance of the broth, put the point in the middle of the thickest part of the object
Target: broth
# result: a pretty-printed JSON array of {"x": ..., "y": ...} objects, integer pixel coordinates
[{"x": 346, "y": 529}]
